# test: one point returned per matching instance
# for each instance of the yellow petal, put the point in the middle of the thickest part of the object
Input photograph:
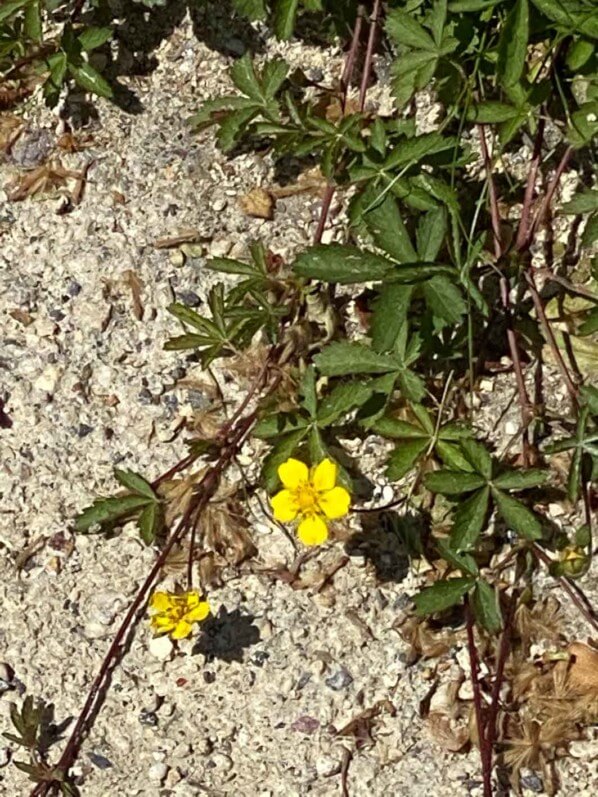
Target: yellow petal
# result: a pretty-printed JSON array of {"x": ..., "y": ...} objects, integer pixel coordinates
[
  {"x": 182, "y": 630},
  {"x": 324, "y": 477},
  {"x": 162, "y": 625},
  {"x": 192, "y": 599},
  {"x": 292, "y": 473},
  {"x": 312, "y": 530},
  {"x": 284, "y": 506},
  {"x": 335, "y": 503},
  {"x": 160, "y": 601},
  {"x": 198, "y": 613}
]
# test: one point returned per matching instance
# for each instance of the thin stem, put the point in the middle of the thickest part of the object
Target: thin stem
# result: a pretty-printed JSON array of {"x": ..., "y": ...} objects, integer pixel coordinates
[
  {"x": 541, "y": 212},
  {"x": 522, "y": 231},
  {"x": 503, "y": 652},
  {"x": 369, "y": 54},
  {"x": 352, "y": 55},
  {"x": 477, "y": 702}
]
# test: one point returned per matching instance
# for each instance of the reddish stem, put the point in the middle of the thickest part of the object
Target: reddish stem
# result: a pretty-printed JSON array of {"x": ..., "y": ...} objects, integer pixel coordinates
[
  {"x": 541, "y": 212},
  {"x": 522, "y": 231},
  {"x": 369, "y": 54},
  {"x": 477, "y": 702}
]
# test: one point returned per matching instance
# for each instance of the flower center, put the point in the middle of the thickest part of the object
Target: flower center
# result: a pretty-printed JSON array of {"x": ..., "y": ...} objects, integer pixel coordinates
[{"x": 307, "y": 499}]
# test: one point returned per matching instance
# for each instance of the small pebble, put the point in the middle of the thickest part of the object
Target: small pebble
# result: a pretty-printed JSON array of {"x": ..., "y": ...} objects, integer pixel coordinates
[
  {"x": 73, "y": 289},
  {"x": 197, "y": 399},
  {"x": 157, "y": 772},
  {"x": 339, "y": 680},
  {"x": 148, "y": 718},
  {"x": 83, "y": 430},
  {"x": 220, "y": 247},
  {"x": 100, "y": 761},
  {"x": 6, "y": 672},
  {"x": 222, "y": 762},
  {"x": 161, "y": 647},
  {"x": 533, "y": 783},
  {"x": 189, "y": 298},
  {"x": 219, "y": 204},
  {"x": 4, "y": 756}
]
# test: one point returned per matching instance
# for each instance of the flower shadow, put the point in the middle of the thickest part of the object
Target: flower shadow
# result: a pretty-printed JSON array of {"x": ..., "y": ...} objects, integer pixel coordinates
[
  {"x": 388, "y": 540},
  {"x": 227, "y": 635}
]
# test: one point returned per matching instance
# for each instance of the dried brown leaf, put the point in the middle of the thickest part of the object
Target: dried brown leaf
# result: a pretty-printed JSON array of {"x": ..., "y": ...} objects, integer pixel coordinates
[
  {"x": 48, "y": 177},
  {"x": 258, "y": 203},
  {"x": 225, "y": 531},
  {"x": 361, "y": 726},
  {"x": 582, "y": 675},
  {"x": 184, "y": 236},
  {"x": 132, "y": 280}
]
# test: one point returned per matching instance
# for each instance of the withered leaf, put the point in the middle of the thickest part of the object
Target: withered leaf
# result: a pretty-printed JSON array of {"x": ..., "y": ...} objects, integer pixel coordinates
[
  {"x": 132, "y": 279},
  {"x": 258, "y": 203}
]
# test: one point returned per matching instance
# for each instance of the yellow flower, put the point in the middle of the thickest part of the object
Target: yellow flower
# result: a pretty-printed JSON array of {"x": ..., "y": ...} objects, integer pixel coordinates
[
  {"x": 310, "y": 496},
  {"x": 175, "y": 614}
]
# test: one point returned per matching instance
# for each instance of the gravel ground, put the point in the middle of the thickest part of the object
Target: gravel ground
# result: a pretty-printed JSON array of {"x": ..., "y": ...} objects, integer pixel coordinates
[{"x": 251, "y": 708}]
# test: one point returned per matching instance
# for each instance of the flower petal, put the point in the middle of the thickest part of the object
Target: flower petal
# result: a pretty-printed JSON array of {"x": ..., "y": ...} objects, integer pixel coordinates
[
  {"x": 198, "y": 613},
  {"x": 312, "y": 530},
  {"x": 192, "y": 599},
  {"x": 160, "y": 601},
  {"x": 324, "y": 477},
  {"x": 284, "y": 506},
  {"x": 334, "y": 503},
  {"x": 292, "y": 473},
  {"x": 182, "y": 630},
  {"x": 162, "y": 625}
]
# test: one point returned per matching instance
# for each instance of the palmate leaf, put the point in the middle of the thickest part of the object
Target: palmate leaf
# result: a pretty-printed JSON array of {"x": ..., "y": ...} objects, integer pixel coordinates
[
  {"x": 469, "y": 520},
  {"x": 388, "y": 230},
  {"x": 512, "y": 47},
  {"x": 151, "y": 522},
  {"x": 343, "y": 264},
  {"x": 109, "y": 510},
  {"x": 283, "y": 449},
  {"x": 517, "y": 516},
  {"x": 135, "y": 483},
  {"x": 486, "y": 607}
]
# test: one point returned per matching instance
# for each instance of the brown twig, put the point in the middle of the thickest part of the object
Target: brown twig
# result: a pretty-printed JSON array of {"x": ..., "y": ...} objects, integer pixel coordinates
[
  {"x": 346, "y": 762},
  {"x": 550, "y": 191},
  {"x": 352, "y": 55},
  {"x": 369, "y": 54},
  {"x": 523, "y": 229},
  {"x": 501, "y": 660},
  {"x": 477, "y": 702}
]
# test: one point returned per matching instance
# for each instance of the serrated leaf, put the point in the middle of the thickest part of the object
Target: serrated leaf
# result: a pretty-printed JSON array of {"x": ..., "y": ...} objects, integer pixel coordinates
[
  {"x": 492, "y": 112},
  {"x": 452, "y": 456},
  {"x": 279, "y": 424},
  {"x": 444, "y": 299},
  {"x": 343, "y": 398},
  {"x": 388, "y": 230},
  {"x": 182, "y": 342},
  {"x": 284, "y": 18},
  {"x": 343, "y": 264},
  {"x": 403, "y": 29},
  {"x": 90, "y": 79},
  {"x": 345, "y": 358},
  {"x": 512, "y": 46},
  {"x": 273, "y": 76},
  {"x": 462, "y": 561},
  {"x": 478, "y": 456},
  {"x": 450, "y": 482},
  {"x": 253, "y": 9},
  {"x": 390, "y": 316},
  {"x": 135, "y": 483},
  {"x": 430, "y": 233},
  {"x": 109, "y": 510},
  {"x": 233, "y": 125},
  {"x": 520, "y": 479},
  {"x": 399, "y": 430},
  {"x": 245, "y": 78},
  {"x": 517, "y": 516},
  {"x": 486, "y": 608},
  {"x": 469, "y": 520},
  {"x": 412, "y": 150},
  {"x": 151, "y": 522},
  {"x": 442, "y": 595},
  {"x": 33, "y": 21},
  {"x": 404, "y": 458}
]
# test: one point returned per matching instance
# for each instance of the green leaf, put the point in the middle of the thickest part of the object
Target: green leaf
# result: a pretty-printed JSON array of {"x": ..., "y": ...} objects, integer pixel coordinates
[
  {"x": 583, "y": 127},
  {"x": 442, "y": 595},
  {"x": 517, "y": 516},
  {"x": 469, "y": 520},
  {"x": 343, "y": 398},
  {"x": 404, "y": 458},
  {"x": 151, "y": 522},
  {"x": 492, "y": 112},
  {"x": 8, "y": 9},
  {"x": 345, "y": 358},
  {"x": 108, "y": 510},
  {"x": 590, "y": 325},
  {"x": 277, "y": 425},
  {"x": 403, "y": 29},
  {"x": 450, "y": 482},
  {"x": 229, "y": 266},
  {"x": 90, "y": 80},
  {"x": 520, "y": 479},
  {"x": 390, "y": 316},
  {"x": 284, "y": 18},
  {"x": 182, "y": 342},
  {"x": 273, "y": 76},
  {"x": 430, "y": 234},
  {"x": 412, "y": 150},
  {"x": 206, "y": 114},
  {"x": 91, "y": 38},
  {"x": 135, "y": 483},
  {"x": 444, "y": 299},
  {"x": 590, "y": 233},
  {"x": 234, "y": 125},
  {"x": 579, "y": 53},
  {"x": 486, "y": 608},
  {"x": 399, "y": 430},
  {"x": 343, "y": 264},
  {"x": 512, "y": 46},
  {"x": 462, "y": 561},
  {"x": 478, "y": 456},
  {"x": 584, "y": 202},
  {"x": 245, "y": 79},
  {"x": 388, "y": 230},
  {"x": 33, "y": 21},
  {"x": 252, "y": 9},
  {"x": 284, "y": 449},
  {"x": 452, "y": 456}
]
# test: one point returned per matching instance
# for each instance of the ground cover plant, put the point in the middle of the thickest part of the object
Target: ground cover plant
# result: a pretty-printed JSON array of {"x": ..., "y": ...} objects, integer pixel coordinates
[{"x": 453, "y": 268}]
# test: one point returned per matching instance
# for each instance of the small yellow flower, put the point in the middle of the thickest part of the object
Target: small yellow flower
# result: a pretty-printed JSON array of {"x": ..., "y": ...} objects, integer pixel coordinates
[
  {"x": 175, "y": 614},
  {"x": 310, "y": 496}
]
